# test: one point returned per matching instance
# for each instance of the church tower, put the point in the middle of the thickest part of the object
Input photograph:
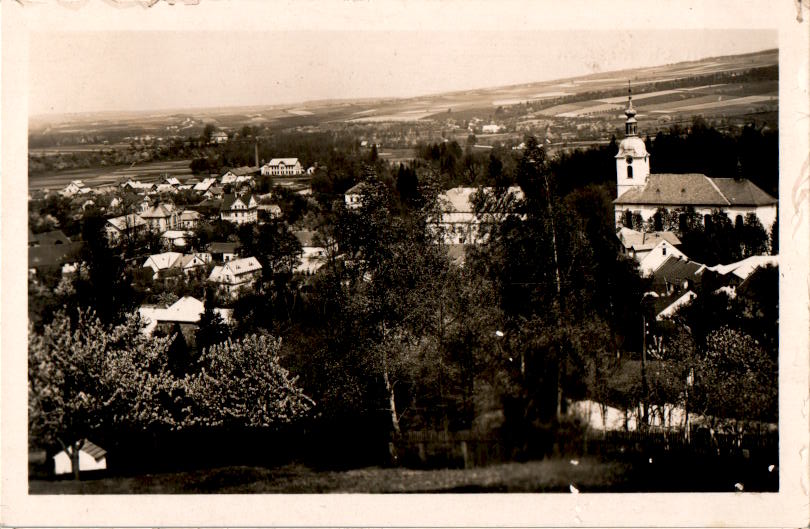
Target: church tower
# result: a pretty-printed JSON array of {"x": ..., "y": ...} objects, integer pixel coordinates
[{"x": 632, "y": 160}]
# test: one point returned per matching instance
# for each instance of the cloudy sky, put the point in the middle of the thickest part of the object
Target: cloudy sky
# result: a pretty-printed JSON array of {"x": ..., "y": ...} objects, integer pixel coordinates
[{"x": 82, "y": 71}]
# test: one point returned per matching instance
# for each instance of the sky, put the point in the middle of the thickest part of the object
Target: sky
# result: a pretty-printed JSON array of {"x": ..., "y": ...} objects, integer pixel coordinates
[{"x": 87, "y": 71}]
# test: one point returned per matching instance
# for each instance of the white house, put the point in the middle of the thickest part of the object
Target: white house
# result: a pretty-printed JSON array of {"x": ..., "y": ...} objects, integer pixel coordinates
[
  {"x": 641, "y": 193},
  {"x": 282, "y": 167},
  {"x": 239, "y": 209},
  {"x": 637, "y": 244},
  {"x": 173, "y": 261},
  {"x": 186, "y": 311},
  {"x": 175, "y": 238},
  {"x": 219, "y": 137},
  {"x": 189, "y": 218},
  {"x": 491, "y": 129},
  {"x": 236, "y": 274},
  {"x": 239, "y": 175},
  {"x": 91, "y": 457},
  {"x": 354, "y": 196},
  {"x": 76, "y": 187},
  {"x": 656, "y": 257}
]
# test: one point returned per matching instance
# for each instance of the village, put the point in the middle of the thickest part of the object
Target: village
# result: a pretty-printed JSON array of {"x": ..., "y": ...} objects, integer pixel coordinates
[{"x": 209, "y": 259}]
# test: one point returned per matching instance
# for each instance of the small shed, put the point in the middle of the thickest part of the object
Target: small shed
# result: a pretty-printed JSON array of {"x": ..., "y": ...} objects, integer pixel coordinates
[{"x": 91, "y": 457}]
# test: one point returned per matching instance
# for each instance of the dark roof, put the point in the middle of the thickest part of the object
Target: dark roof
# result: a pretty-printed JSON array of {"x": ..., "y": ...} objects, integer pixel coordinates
[
  {"x": 693, "y": 189},
  {"x": 224, "y": 247},
  {"x": 47, "y": 238},
  {"x": 675, "y": 271},
  {"x": 743, "y": 192},
  {"x": 53, "y": 254},
  {"x": 229, "y": 199}
]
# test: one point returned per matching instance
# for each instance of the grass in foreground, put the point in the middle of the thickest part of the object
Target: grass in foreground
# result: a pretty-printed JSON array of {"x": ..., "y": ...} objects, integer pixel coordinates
[{"x": 536, "y": 476}]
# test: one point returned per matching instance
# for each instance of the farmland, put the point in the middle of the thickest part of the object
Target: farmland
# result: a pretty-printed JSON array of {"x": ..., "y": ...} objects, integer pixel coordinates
[{"x": 95, "y": 176}]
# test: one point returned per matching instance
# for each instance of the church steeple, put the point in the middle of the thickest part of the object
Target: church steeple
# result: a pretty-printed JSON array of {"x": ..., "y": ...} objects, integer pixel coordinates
[
  {"x": 630, "y": 125},
  {"x": 632, "y": 160}
]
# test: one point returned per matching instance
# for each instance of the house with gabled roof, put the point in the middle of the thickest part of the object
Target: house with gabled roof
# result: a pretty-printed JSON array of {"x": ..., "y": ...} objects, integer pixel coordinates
[
  {"x": 205, "y": 185},
  {"x": 75, "y": 187},
  {"x": 124, "y": 226},
  {"x": 236, "y": 275},
  {"x": 185, "y": 312},
  {"x": 239, "y": 175},
  {"x": 161, "y": 217},
  {"x": 167, "y": 261},
  {"x": 282, "y": 167},
  {"x": 642, "y": 193},
  {"x": 91, "y": 457},
  {"x": 239, "y": 209},
  {"x": 354, "y": 195}
]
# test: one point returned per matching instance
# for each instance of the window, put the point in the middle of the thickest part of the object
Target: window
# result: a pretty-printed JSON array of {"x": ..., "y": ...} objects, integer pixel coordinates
[
  {"x": 630, "y": 171},
  {"x": 663, "y": 250}
]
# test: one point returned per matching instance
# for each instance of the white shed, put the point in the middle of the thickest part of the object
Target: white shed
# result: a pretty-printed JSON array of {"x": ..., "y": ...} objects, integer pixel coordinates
[{"x": 91, "y": 457}]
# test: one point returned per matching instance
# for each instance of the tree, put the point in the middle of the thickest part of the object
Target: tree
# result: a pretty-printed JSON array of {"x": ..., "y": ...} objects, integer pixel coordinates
[
  {"x": 208, "y": 131},
  {"x": 738, "y": 379},
  {"x": 87, "y": 379},
  {"x": 241, "y": 384}
]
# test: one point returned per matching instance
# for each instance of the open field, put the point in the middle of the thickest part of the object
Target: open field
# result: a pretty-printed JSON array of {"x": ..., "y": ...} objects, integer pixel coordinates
[
  {"x": 146, "y": 172},
  {"x": 612, "y": 86}
]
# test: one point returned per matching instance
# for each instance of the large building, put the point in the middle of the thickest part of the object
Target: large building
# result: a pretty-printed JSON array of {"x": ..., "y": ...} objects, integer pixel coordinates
[
  {"x": 282, "y": 167},
  {"x": 640, "y": 193}
]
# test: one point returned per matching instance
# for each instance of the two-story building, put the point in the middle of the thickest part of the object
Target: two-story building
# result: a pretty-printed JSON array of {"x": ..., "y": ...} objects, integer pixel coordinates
[
  {"x": 282, "y": 167},
  {"x": 161, "y": 217},
  {"x": 235, "y": 275},
  {"x": 239, "y": 209}
]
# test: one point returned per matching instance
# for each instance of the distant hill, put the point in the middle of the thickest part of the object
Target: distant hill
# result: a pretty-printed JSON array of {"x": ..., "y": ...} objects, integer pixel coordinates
[{"x": 736, "y": 85}]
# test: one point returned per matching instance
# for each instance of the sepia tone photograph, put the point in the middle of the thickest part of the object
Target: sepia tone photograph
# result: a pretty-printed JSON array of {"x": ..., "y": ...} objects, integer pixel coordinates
[{"x": 404, "y": 261}]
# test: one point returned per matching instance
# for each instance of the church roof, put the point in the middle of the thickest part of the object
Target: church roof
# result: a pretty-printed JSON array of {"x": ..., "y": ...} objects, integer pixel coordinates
[{"x": 694, "y": 189}]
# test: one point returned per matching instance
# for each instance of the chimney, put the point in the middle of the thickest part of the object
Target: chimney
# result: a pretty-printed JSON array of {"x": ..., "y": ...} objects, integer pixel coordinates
[{"x": 256, "y": 151}]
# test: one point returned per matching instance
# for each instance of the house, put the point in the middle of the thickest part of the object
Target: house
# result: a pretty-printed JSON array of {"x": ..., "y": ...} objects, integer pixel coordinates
[
  {"x": 161, "y": 217},
  {"x": 124, "y": 226},
  {"x": 205, "y": 185},
  {"x": 236, "y": 275},
  {"x": 172, "y": 181},
  {"x": 138, "y": 186},
  {"x": 222, "y": 252},
  {"x": 491, "y": 129},
  {"x": 185, "y": 312},
  {"x": 354, "y": 196},
  {"x": 282, "y": 167},
  {"x": 637, "y": 244},
  {"x": 75, "y": 187},
  {"x": 239, "y": 209},
  {"x": 166, "y": 188},
  {"x": 239, "y": 175},
  {"x": 650, "y": 262},
  {"x": 189, "y": 219},
  {"x": 219, "y": 137},
  {"x": 214, "y": 192},
  {"x": 91, "y": 457},
  {"x": 458, "y": 223},
  {"x": 175, "y": 238},
  {"x": 676, "y": 275},
  {"x": 641, "y": 193},
  {"x": 313, "y": 256},
  {"x": 166, "y": 261}
]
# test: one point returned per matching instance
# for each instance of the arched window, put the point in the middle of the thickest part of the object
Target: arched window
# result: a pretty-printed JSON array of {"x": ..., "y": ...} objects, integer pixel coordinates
[
  {"x": 629, "y": 171},
  {"x": 738, "y": 222},
  {"x": 628, "y": 218}
]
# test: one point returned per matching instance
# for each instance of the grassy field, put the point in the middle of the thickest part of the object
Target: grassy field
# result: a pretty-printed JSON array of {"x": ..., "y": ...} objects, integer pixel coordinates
[
  {"x": 585, "y": 474},
  {"x": 536, "y": 476}
]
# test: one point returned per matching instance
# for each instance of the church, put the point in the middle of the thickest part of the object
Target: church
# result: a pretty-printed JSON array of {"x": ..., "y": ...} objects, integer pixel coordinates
[{"x": 641, "y": 193}]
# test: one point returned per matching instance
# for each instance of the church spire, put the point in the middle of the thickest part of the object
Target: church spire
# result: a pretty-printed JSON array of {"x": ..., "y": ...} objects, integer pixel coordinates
[{"x": 630, "y": 124}]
